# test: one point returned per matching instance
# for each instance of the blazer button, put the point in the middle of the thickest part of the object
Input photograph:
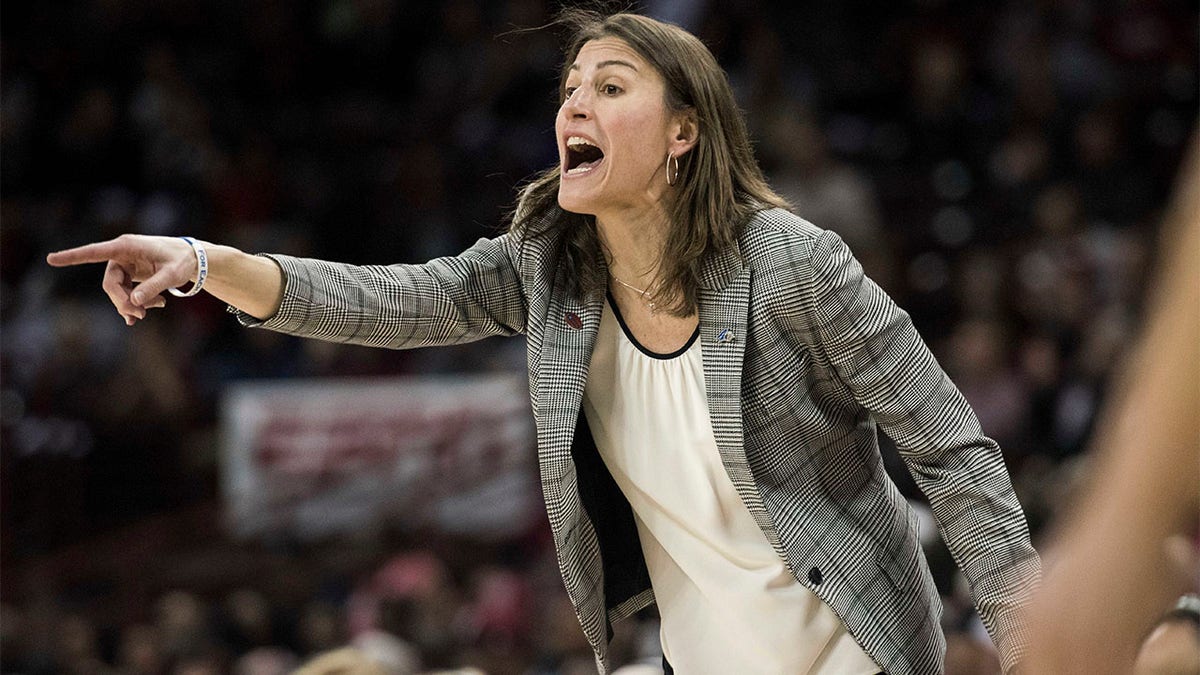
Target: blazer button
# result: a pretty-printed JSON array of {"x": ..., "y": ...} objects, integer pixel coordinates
[{"x": 814, "y": 575}]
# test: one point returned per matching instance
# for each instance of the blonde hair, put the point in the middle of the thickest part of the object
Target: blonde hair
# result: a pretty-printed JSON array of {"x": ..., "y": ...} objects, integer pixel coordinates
[{"x": 344, "y": 661}]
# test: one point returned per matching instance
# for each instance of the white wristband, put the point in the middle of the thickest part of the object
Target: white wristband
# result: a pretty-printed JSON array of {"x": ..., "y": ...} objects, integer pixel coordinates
[{"x": 201, "y": 269}]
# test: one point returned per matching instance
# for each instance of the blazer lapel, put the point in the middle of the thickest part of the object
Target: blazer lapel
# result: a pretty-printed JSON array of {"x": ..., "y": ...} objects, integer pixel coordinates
[
  {"x": 566, "y": 353},
  {"x": 724, "y": 300},
  {"x": 568, "y": 339}
]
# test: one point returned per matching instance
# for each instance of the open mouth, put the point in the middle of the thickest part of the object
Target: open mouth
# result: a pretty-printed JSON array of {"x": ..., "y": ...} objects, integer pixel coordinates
[{"x": 582, "y": 156}]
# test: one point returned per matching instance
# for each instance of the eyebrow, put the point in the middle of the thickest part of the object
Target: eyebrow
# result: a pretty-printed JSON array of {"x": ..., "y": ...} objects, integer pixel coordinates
[{"x": 610, "y": 62}]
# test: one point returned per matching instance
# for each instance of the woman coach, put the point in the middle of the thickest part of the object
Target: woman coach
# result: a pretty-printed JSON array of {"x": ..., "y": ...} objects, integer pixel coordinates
[{"x": 706, "y": 370}]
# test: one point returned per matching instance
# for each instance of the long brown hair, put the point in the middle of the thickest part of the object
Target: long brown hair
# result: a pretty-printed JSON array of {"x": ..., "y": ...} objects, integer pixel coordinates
[{"x": 720, "y": 185}]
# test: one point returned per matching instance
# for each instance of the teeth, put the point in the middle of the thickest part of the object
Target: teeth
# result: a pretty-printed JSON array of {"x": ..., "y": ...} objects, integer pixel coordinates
[{"x": 583, "y": 154}]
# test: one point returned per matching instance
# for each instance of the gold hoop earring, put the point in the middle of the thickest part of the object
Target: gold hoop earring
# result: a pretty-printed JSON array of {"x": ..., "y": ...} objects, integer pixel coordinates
[{"x": 672, "y": 179}]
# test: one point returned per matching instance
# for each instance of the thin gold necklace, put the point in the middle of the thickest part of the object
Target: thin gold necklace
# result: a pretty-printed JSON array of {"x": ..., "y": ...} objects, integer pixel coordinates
[{"x": 640, "y": 291}]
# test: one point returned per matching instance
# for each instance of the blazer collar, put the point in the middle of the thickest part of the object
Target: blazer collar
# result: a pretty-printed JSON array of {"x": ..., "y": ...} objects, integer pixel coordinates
[{"x": 720, "y": 267}]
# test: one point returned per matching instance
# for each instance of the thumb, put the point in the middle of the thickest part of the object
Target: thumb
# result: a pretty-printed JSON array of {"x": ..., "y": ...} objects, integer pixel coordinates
[{"x": 149, "y": 291}]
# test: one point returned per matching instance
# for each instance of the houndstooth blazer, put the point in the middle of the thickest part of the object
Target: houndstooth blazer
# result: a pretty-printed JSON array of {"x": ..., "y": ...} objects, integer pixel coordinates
[{"x": 804, "y": 357}]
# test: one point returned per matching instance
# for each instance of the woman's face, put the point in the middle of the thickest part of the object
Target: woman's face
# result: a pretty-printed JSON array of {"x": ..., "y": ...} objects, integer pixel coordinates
[{"x": 614, "y": 132}]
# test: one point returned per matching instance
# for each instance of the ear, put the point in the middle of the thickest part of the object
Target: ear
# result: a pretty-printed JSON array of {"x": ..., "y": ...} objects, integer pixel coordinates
[{"x": 685, "y": 131}]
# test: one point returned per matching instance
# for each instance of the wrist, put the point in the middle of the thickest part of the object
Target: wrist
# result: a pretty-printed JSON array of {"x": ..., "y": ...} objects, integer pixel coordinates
[{"x": 200, "y": 275}]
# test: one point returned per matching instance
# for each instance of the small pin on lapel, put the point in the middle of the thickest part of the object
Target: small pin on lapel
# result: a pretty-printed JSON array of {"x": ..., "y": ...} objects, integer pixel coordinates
[
  {"x": 725, "y": 336},
  {"x": 574, "y": 321}
]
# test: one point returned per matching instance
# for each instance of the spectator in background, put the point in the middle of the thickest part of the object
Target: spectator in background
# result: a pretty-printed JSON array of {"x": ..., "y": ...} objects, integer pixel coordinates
[
  {"x": 265, "y": 661},
  {"x": 823, "y": 190},
  {"x": 977, "y": 364},
  {"x": 345, "y": 661},
  {"x": 140, "y": 651}
]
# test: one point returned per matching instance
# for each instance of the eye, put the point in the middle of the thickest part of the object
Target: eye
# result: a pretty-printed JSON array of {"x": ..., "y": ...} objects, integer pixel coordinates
[
  {"x": 568, "y": 91},
  {"x": 611, "y": 90}
]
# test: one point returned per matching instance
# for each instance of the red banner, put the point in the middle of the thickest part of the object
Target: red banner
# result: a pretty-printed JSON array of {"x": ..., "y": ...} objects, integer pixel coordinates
[{"x": 320, "y": 457}]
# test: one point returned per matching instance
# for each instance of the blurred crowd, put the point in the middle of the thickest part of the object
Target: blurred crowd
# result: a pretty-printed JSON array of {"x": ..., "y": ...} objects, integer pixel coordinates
[
  {"x": 1000, "y": 168},
  {"x": 442, "y": 605}
]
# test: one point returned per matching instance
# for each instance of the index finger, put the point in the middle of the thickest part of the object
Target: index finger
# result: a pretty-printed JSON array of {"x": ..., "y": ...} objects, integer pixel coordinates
[{"x": 91, "y": 253}]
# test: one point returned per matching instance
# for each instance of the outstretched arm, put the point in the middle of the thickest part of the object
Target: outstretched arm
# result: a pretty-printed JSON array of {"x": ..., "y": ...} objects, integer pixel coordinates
[
  {"x": 141, "y": 268},
  {"x": 448, "y": 300}
]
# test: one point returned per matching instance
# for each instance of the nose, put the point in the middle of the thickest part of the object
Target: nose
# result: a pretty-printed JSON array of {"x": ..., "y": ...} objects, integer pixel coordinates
[{"x": 577, "y": 106}]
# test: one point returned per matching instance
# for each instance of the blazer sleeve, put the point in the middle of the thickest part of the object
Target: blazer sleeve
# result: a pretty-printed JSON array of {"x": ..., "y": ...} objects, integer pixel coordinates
[
  {"x": 874, "y": 349},
  {"x": 451, "y": 300}
]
